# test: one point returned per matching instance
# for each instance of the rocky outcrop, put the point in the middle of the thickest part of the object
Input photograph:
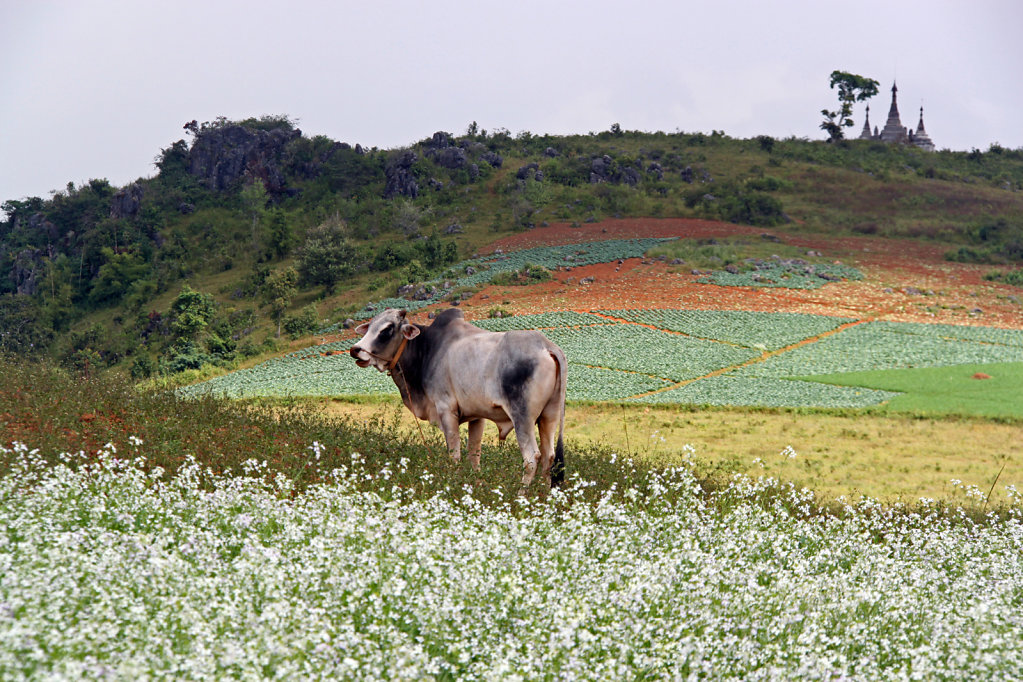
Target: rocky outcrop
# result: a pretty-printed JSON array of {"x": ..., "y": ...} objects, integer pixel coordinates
[
  {"x": 531, "y": 171},
  {"x": 453, "y": 158},
  {"x": 221, "y": 155},
  {"x": 126, "y": 202},
  {"x": 606, "y": 169},
  {"x": 448, "y": 153},
  {"x": 400, "y": 179},
  {"x": 492, "y": 158},
  {"x": 28, "y": 263}
]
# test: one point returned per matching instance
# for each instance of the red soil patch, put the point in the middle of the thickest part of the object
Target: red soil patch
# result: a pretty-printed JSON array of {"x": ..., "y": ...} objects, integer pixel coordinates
[{"x": 905, "y": 280}]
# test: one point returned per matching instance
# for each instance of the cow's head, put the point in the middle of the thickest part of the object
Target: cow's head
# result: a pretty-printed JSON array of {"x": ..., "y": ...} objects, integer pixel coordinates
[{"x": 382, "y": 339}]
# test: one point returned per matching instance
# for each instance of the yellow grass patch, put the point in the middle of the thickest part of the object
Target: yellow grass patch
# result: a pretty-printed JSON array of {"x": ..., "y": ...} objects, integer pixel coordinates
[{"x": 890, "y": 458}]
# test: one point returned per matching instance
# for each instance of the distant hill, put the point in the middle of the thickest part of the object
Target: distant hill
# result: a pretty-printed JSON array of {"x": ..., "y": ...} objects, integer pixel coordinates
[{"x": 252, "y": 227}]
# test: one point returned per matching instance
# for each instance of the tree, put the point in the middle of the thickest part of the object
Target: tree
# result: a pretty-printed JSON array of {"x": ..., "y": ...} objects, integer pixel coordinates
[
  {"x": 326, "y": 257},
  {"x": 851, "y": 88},
  {"x": 280, "y": 236},
  {"x": 253, "y": 197},
  {"x": 407, "y": 217},
  {"x": 116, "y": 275},
  {"x": 191, "y": 312},
  {"x": 278, "y": 289}
]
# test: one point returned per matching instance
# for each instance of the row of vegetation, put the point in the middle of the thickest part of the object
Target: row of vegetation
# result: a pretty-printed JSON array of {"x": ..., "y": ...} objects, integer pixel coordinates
[{"x": 694, "y": 348}]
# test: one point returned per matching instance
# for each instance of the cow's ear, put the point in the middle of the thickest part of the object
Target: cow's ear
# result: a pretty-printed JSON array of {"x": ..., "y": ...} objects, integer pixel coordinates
[
  {"x": 409, "y": 331},
  {"x": 362, "y": 328}
]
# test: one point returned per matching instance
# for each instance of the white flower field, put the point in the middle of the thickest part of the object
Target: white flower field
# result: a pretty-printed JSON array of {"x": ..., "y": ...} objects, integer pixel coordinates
[{"x": 111, "y": 571}]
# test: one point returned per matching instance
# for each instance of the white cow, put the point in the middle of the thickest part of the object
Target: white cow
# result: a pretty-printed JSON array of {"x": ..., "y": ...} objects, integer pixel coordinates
[{"x": 452, "y": 372}]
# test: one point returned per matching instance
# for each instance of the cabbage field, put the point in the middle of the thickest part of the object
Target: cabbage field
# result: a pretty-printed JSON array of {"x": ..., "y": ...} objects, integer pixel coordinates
[{"x": 712, "y": 357}]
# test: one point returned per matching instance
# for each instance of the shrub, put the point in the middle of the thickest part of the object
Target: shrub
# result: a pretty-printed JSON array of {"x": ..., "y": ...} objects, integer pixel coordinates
[
  {"x": 306, "y": 322},
  {"x": 529, "y": 274},
  {"x": 326, "y": 257},
  {"x": 1013, "y": 277}
]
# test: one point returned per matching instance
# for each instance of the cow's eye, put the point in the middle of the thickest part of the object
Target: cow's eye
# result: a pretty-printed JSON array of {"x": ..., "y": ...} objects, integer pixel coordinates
[{"x": 387, "y": 332}]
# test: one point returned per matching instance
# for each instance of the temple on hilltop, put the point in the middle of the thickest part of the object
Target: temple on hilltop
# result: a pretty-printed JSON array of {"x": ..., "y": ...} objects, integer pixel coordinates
[{"x": 893, "y": 132}]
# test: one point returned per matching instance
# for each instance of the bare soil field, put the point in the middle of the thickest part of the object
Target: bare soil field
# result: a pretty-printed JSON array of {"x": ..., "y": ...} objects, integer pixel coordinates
[{"x": 905, "y": 280}]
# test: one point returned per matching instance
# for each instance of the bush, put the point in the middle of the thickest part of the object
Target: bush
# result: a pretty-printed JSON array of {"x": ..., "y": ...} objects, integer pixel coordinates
[
  {"x": 752, "y": 208},
  {"x": 326, "y": 257},
  {"x": 142, "y": 368},
  {"x": 183, "y": 356},
  {"x": 529, "y": 274},
  {"x": 1013, "y": 277},
  {"x": 431, "y": 252},
  {"x": 969, "y": 254},
  {"x": 306, "y": 322}
]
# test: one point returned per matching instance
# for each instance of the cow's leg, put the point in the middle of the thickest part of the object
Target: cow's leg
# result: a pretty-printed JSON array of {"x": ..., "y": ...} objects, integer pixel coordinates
[
  {"x": 449, "y": 426},
  {"x": 525, "y": 434},
  {"x": 475, "y": 442},
  {"x": 548, "y": 427}
]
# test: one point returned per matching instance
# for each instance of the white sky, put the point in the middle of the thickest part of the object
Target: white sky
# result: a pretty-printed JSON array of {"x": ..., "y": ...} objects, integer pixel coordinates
[{"x": 95, "y": 89}]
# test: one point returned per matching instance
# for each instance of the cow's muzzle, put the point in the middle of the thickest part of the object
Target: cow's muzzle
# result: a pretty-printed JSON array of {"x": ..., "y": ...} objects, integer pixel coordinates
[{"x": 358, "y": 353}]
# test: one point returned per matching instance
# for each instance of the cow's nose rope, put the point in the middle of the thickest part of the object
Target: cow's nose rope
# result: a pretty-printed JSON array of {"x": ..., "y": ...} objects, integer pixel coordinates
[
  {"x": 419, "y": 426},
  {"x": 392, "y": 365},
  {"x": 393, "y": 362}
]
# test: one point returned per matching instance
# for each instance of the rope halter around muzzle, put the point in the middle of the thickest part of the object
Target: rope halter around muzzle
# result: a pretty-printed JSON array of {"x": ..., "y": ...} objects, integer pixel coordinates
[{"x": 391, "y": 364}]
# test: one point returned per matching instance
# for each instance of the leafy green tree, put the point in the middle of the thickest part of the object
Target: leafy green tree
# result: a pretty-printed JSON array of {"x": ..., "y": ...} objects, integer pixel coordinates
[
  {"x": 280, "y": 237},
  {"x": 116, "y": 276},
  {"x": 191, "y": 312},
  {"x": 407, "y": 217},
  {"x": 22, "y": 328},
  {"x": 326, "y": 257},
  {"x": 278, "y": 289},
  {"x": 306, "y": 322},
  {"x": 851, "y": 88},
  {"x": 253, "y": 198}
]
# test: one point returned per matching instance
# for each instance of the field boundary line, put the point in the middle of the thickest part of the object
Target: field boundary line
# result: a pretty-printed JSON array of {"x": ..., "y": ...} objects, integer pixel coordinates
[
  {"x": 766, "y": 355},
  {"x": 618, "y": 320}
]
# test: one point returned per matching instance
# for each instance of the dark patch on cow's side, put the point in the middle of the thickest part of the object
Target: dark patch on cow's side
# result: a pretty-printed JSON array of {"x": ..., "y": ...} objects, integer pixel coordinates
[{"x": 513, "y": 381}]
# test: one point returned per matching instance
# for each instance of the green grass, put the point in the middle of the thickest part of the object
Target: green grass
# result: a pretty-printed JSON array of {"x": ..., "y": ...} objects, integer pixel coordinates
[{"x": 944, "y": 390}]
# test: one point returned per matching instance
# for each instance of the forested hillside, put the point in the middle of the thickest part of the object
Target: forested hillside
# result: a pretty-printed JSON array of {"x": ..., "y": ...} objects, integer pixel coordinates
[{"x": 252, "y": 230}]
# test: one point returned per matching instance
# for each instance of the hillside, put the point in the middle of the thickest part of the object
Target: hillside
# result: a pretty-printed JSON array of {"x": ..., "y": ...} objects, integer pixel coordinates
[{"x": 252, "y": 229}]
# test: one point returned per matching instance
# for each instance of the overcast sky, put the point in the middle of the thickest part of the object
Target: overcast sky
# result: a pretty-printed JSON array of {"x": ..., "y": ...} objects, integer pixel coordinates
[{"x": 95, "y": 89}]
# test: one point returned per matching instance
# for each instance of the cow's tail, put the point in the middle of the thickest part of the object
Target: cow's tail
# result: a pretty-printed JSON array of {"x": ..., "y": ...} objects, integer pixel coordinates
[{"x": 558, "y": 466}]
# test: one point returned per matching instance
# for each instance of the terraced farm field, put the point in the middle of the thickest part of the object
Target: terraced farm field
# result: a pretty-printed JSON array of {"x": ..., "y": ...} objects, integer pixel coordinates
[
  {"x": 704, "y": 337},
  {"x": 710, "y": 357}
]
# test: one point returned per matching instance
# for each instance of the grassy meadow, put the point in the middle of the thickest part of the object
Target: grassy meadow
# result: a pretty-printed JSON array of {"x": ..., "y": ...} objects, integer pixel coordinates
[
  {"x": 891, "y": 457},
  {"x": 990, "y": 390}
]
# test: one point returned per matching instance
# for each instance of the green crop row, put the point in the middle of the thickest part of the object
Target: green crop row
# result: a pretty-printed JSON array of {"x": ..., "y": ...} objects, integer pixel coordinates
[
  {"x": 891, "y": 345},
  {"x": 623, "y": 361},
  {"x": 764, "y": 331},
  {"x": 729, "y": 389},
  {"x": 638, "y": 349},
  {"x": 784, "y": 274}
]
